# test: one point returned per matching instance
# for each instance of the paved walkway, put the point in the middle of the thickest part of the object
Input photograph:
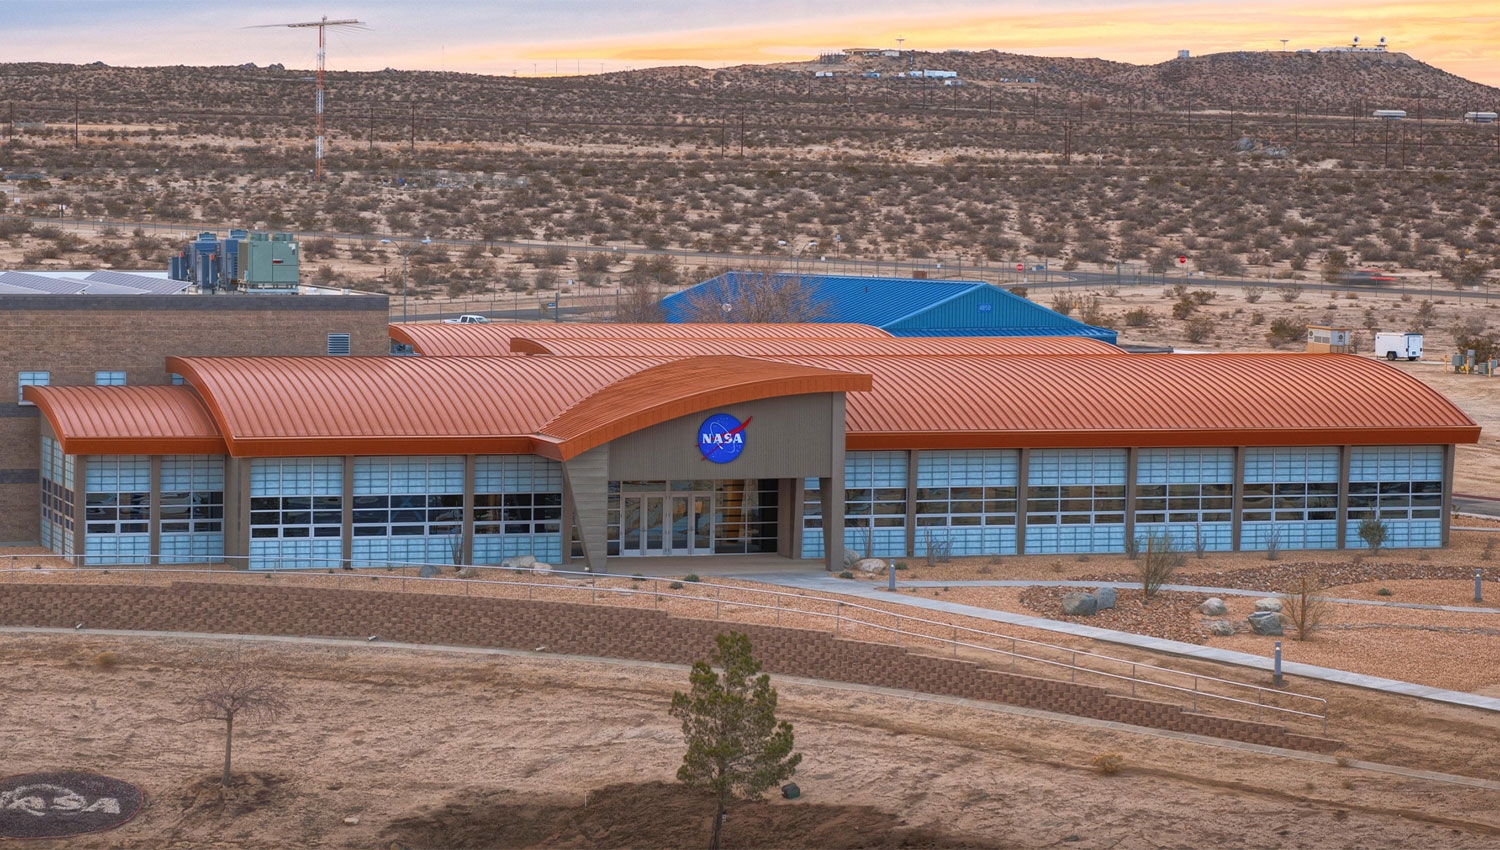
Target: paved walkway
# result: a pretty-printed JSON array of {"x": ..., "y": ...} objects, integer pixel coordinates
[
  {"x": 824, "y": 583},
  {"x": 1189, "y": 588}
]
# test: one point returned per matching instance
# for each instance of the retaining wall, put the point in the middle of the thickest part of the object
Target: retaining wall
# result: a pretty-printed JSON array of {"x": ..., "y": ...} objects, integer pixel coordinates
[{"x": 592, "y": 630}]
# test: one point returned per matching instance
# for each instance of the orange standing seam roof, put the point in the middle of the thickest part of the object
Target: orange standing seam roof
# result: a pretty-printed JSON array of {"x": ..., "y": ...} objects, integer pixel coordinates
[
  {"x": 153, "y": 420},
  {"x": 493, "y": 339},
  {"x": 294, "y": 406},
  {"x": 900, "y": 346},
  {"x": 1143, "y": 400},
  {"x": 559, "y": 406}
]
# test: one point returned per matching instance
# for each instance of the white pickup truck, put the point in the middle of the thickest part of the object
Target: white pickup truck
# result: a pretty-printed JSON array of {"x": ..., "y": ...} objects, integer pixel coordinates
[{"x": 467, "y": 319}]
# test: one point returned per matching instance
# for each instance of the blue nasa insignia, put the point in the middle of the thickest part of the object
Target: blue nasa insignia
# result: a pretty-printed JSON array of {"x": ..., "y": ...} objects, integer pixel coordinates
[{"x": 721, "y": 437}]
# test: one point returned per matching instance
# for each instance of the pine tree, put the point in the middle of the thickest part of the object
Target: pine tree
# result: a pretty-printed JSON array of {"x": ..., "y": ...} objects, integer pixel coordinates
[{"x": 735, "y": 746}]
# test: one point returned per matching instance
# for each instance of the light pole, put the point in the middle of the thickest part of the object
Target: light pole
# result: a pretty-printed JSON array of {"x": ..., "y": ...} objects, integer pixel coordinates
[
  {"x": 404, "y": 254},
  {"x": 795, "y": 252}
]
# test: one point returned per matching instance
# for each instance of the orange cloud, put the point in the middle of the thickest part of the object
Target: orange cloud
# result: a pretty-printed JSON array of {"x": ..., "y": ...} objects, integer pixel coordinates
[{"x": 1457, "y": 35}]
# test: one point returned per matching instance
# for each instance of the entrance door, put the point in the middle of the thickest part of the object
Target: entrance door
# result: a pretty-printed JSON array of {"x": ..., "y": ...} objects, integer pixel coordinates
[
  {"x": 692, "y": 524},
  {"x": 641, "y": 525}
]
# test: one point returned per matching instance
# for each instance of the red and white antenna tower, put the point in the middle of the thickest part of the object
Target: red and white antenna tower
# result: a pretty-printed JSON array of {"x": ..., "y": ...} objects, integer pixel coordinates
[{"x": 344, "y": 24}]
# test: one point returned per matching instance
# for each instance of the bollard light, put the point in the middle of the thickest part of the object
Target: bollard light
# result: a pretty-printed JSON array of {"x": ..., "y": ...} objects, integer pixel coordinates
[{"x": 1276, "y": 668}]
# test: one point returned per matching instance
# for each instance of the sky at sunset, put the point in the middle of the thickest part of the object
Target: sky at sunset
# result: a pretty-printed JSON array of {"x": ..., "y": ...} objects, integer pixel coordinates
[{"x": 589, "y": 36}]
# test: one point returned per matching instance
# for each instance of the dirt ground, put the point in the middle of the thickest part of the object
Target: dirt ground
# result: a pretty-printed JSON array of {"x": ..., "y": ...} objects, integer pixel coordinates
[{"x": 433, "y": 750}]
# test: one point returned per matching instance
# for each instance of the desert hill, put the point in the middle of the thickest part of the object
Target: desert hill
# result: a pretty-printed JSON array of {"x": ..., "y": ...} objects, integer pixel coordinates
[{"x": 1336, "y": 83}]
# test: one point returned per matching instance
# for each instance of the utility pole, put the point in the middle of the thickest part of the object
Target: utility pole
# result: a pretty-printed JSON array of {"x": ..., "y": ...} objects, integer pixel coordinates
[
  {"x": 414, "y": 128},
  {"x": 372, "y": 129},
  {"x": 75, "y": 122}
]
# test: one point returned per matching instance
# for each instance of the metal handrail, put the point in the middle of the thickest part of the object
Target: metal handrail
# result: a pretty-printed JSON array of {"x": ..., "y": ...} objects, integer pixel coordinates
[{"x": 337, "y": 569}]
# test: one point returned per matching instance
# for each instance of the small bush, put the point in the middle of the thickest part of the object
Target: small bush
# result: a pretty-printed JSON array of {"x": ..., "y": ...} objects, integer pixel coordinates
[
  {"x": 1303, "y": 607},
  {"x": 846, "y": 574},
  {"x": 106, "y": 661},
  {"x": 691, "y": 577},
  {"x": 1385, "y": 591},
  {"x": 1200, "y": 328},
  {"x": 901, "y": 565},
  {"x": 1289, "y": 292},
  {"x": 1374, "y": 532},
  {"x": 1140, "y": 317},
  {"x": 1160, "y": 558},
  {"x": 1252, "y": 294},
  {"x": 1108, "y": 763},
  {"x": 1285, "y": 331},
  {"x": 676, "y": 585},
  {"x": 1489, "y": 550},
  {"x": 637, "y": 577}
]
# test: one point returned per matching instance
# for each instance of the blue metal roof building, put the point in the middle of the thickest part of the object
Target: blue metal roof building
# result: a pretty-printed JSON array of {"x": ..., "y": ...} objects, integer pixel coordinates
[{"x": 900, "y": 306}]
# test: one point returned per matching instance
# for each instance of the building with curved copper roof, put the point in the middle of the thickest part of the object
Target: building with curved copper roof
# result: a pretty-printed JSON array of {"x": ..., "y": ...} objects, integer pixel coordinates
[{"x": 805, "y": 446}]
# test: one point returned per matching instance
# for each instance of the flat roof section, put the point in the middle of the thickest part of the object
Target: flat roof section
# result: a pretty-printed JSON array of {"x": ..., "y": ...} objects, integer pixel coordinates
[
  {"x": 861, "y": 347},
  {"x": 493, "y": 339}
]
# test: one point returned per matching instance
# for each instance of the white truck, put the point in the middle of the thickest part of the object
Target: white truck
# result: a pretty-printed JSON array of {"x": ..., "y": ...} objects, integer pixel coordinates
[
  {"x": 1402, "y": 346},
  {"x": 467, "y": 319}
]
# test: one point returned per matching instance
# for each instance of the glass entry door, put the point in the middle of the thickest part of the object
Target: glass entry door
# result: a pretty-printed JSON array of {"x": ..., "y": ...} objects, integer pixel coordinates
[
  {"x": 644, "y": 528},
  {"x": 692, "y": 524},
  {"x": 641, "y": 525}
]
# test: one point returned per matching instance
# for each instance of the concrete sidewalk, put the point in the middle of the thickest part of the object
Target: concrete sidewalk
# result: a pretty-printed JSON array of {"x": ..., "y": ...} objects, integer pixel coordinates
[
  {"x": 1189, "y": 588},
  {"x": 825, "y": 583}
]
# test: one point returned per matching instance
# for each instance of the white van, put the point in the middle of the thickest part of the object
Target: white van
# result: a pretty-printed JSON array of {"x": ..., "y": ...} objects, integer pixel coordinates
[{"x": 1394, "y": 346}]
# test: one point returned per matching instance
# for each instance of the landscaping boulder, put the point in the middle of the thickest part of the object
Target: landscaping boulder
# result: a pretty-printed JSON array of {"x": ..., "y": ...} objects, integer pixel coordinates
[
  {"x": 1080, "y": 604},
  {"x": 1219, "y": 628},
  {"x": 870, "y": 565},
  {"x": 1266, "y": 623},
  {"x": 428, "y": 571},
  {"x": 1104, "y": 597},
  {"x": 541, "y": 567},
  {"x": 519, "y": 562},
  {"x": 468, "y": 572},
  {"x": 1213, "y": 607},
  {"x": 1268, "y": 604}
]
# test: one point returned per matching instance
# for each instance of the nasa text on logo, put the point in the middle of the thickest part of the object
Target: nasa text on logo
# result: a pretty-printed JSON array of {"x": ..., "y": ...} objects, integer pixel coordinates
[
  {"x": 55, "y": 805},
  {"x": 721, "y": 437}
]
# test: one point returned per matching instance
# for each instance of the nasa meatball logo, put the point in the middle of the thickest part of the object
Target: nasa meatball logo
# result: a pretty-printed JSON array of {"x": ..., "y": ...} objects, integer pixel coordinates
[
  {"x": 721, "y": 437},
  {"x": 57, "y": 805}
]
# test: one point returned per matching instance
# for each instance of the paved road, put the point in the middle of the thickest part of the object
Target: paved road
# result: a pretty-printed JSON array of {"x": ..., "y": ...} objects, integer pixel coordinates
[
  {"x": 807, "y": 259},
  {"x": 1479, "y": 505}
]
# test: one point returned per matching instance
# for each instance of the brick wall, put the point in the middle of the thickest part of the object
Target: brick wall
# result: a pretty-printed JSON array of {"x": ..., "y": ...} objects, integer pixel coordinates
[
  {"x": 588, "y": 630},
  {"x": 74, "y": 336}
]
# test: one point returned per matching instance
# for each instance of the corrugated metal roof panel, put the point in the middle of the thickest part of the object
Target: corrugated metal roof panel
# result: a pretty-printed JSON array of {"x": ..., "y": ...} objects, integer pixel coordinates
[
  {"x": 493, "y": 339},
  {"x": 128, "y": 420},
  {"x": 905, "y": 307},
  {"x": 679, "y": 388},
  {"x": 1143, "y": 400},
  {"x": 287, "y": 406},
  {"x": 891, "y": 346}
]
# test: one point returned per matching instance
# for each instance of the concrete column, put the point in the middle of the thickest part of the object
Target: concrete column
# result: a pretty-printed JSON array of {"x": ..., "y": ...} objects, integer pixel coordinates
[
  {"x": 586, "y": 490},
  {"x": 347, "y": 532},
  {"x": 1449, "y": 453},
  {"x": 1022, "y": 474},
  {"x": 831, "y": 492},
  {"x": 237, "y": 512},
  {"x": 80, "y": 508},
  {"x": 789, "y": 518},
  {"x": 155, "y": 525},
  {"x": 1343, "y": 514},
  {"x": 1132, "y": 470},
  {"x": 911, "y": 504},
  {"x": 467, "y": 533},
  {"x": 1237, "y": 499}
]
